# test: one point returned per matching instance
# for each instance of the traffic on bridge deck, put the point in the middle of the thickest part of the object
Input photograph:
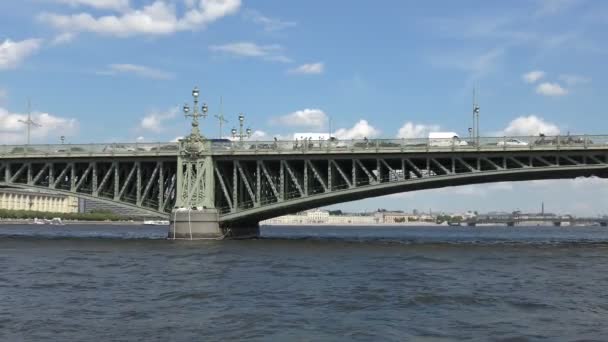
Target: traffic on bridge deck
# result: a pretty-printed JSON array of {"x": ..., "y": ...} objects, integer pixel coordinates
[{"x": 225, "y": 146}]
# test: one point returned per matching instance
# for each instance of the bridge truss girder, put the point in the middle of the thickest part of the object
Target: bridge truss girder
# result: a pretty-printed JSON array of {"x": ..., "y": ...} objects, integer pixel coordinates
[
  {"x": 260, "y": 187},
  {"x": 148, "y": 183}
]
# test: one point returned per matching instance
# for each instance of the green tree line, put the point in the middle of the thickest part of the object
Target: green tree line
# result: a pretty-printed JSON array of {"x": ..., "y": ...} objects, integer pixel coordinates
[{"x": 100, "y": 215}]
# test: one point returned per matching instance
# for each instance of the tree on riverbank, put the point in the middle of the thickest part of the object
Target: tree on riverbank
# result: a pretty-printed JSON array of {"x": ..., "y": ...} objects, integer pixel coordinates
[{"x": 101, "y": 215}]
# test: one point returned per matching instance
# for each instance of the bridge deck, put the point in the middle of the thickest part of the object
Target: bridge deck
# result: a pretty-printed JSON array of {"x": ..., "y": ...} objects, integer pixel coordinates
[{"x": 376, "y": 146}]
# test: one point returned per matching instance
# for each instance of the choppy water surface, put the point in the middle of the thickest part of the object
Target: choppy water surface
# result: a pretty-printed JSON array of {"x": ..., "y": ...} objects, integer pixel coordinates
[{"x": 421, "y": 284}]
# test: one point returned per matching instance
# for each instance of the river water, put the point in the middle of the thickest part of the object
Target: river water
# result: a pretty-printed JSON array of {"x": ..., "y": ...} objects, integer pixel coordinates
[{"x": 112, "y": 283}]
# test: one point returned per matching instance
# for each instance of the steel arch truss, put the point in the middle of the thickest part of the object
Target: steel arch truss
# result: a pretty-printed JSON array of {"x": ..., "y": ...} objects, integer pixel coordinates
[
  {"x": 249, "y": 186},
  {"x": 148, "y": 184}
]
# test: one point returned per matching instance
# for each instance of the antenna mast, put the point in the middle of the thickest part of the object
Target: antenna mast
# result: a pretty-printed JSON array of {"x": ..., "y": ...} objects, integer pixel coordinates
[
  {"x": 473, "y": 123},
  {"x": 475, "y": 117},
  {"x": 29, "y": 122},
  {"x": 220, "y": 117}
]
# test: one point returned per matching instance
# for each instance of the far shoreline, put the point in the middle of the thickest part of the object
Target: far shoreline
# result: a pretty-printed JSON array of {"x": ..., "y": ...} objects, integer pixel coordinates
[{"x": 74, "y": 222}]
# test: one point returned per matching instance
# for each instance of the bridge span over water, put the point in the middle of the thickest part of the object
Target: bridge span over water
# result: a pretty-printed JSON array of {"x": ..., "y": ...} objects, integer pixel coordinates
[
  {"x": 212, "y": 189},
  {"x": 238, "y": 184}
]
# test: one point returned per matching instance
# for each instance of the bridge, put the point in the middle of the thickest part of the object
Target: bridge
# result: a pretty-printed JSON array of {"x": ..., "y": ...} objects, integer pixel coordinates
[
  {"x": 512, "y": 220},
  {"x": 217, "y": 189}
]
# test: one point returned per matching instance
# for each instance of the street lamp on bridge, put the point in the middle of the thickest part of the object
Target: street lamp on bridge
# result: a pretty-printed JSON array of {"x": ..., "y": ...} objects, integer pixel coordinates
[
  {"x": 195, "y": 114},
  {"x": 240, "y": 133}
]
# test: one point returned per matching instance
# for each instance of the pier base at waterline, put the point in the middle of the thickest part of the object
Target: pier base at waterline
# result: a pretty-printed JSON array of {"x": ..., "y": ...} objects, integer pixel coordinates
[{"x": 203, "y": 224}]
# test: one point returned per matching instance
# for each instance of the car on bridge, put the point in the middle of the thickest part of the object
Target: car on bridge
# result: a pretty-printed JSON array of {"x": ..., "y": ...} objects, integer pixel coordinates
[
  {"x": 172, "y": 147},
  {"x": 511, "y": 142},
  {"x": 445, "y": 139},
  {"x": 21, "y": 150},
  {"x": 566, "y": 140},
  {"x": 70, "y": 149},
  {"x": 122, "y": 148}
]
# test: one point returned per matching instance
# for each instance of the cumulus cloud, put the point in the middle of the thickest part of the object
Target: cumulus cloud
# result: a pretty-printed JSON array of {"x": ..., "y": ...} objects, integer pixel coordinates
[
  {"x": 137, "y": 70},
  {"x": 13, "y": 53},
  {"x": 308, "y": 69},
  {"x": 551, "y": 89},
  {"x": 552, "y": 7},
  {"x": 269, "y": 24},
  {"x": 272, "y": 52},
  {"x": 360, "y": 130},
  {"x": 63, "y": 38},
  {"x": 530, "y": 126},
  {"x": 258, "y": 135},
  {"x": 154, "y": 121},
  {"x": 410, "y": 130},
  {"x": 117, "y": 5},
  {"x": 157, "y": 18},
  {"x": 50, "y": 127},
  {"x": 314, "y": 118},
  {"x": 571, "y": 79},
  {"x": 533, "y": 76}
]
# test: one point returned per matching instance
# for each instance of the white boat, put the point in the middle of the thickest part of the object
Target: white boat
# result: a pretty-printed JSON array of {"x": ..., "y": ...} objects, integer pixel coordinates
[
  {"x": 156, "y": 222},
  {"x": 56, "y": 221}
]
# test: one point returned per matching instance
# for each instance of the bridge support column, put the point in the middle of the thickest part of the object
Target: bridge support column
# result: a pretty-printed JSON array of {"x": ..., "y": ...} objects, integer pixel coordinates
[
  {"x": 194, "y": 224},
  {"x": 203, "y": 224}
]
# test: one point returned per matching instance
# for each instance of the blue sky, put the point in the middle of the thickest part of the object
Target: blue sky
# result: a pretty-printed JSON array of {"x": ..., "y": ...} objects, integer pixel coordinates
[{"x": 109, "y": 70}]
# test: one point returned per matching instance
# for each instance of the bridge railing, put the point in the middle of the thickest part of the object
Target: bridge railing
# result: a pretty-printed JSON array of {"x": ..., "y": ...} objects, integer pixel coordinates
[
  {"x": 158, "y": 148},
  {"x": 318, "y": 146},
  {"x": 418, "y": 144}
]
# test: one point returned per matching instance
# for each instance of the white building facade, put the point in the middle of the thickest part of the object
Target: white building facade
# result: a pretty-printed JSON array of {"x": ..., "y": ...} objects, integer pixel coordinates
[{"x": 35, "y": 201}]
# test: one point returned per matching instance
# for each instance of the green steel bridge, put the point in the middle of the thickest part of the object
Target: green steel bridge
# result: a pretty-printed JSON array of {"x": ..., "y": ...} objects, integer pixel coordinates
[
  {"x": 250, "y": 181},
  {"x": 224, "y": 188}
]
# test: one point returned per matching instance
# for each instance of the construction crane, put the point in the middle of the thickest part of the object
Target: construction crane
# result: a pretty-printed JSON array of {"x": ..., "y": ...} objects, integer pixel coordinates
[{"x": 29, "y": 122}]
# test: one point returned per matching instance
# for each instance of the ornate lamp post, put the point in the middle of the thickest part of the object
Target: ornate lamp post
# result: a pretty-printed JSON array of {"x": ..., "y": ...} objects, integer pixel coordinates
[
  {"x": 195, "y": 135},
  {"x": 240, "y": 133}
]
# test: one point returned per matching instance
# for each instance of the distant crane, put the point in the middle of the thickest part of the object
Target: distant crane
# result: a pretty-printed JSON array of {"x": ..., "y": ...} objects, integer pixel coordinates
[
  {"x": 29, "y": 122},
  {"x": 220, "y": 118}
]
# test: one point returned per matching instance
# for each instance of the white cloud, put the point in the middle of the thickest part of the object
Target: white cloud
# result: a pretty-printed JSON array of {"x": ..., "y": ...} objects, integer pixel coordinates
[
  {"x": 411, "y": 130},
  {"x": 154, "y": 121},
  {"x": 13, "y": 53},
  {"x": 140, "y": 139},
  {"x": 269, "y": 24},
  {"x": 530, "y": 126},
  {"x": 308, "y": 69},
  {"x": 157, "y": 18},
  {"x": 63, "y": 38},
  {"x": 12, "y": 131},
  {"x": 258, "y": 135},
  {"x": 117, "y": 5},
  {"x": 137, "y": 70},
  {"x": 360, "y": 130},
  {"x": 177, "y": 139},
  {"x": 533, "y": 76},
  {"x": 551, "y": 89},
  {"x": 477, "y": 64},
  {"x": 314, "y": 118},
  {"x": 572, "y": 79},
  {"x": 248, "y": 49},
  {"x": 551, "y": 7}
]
